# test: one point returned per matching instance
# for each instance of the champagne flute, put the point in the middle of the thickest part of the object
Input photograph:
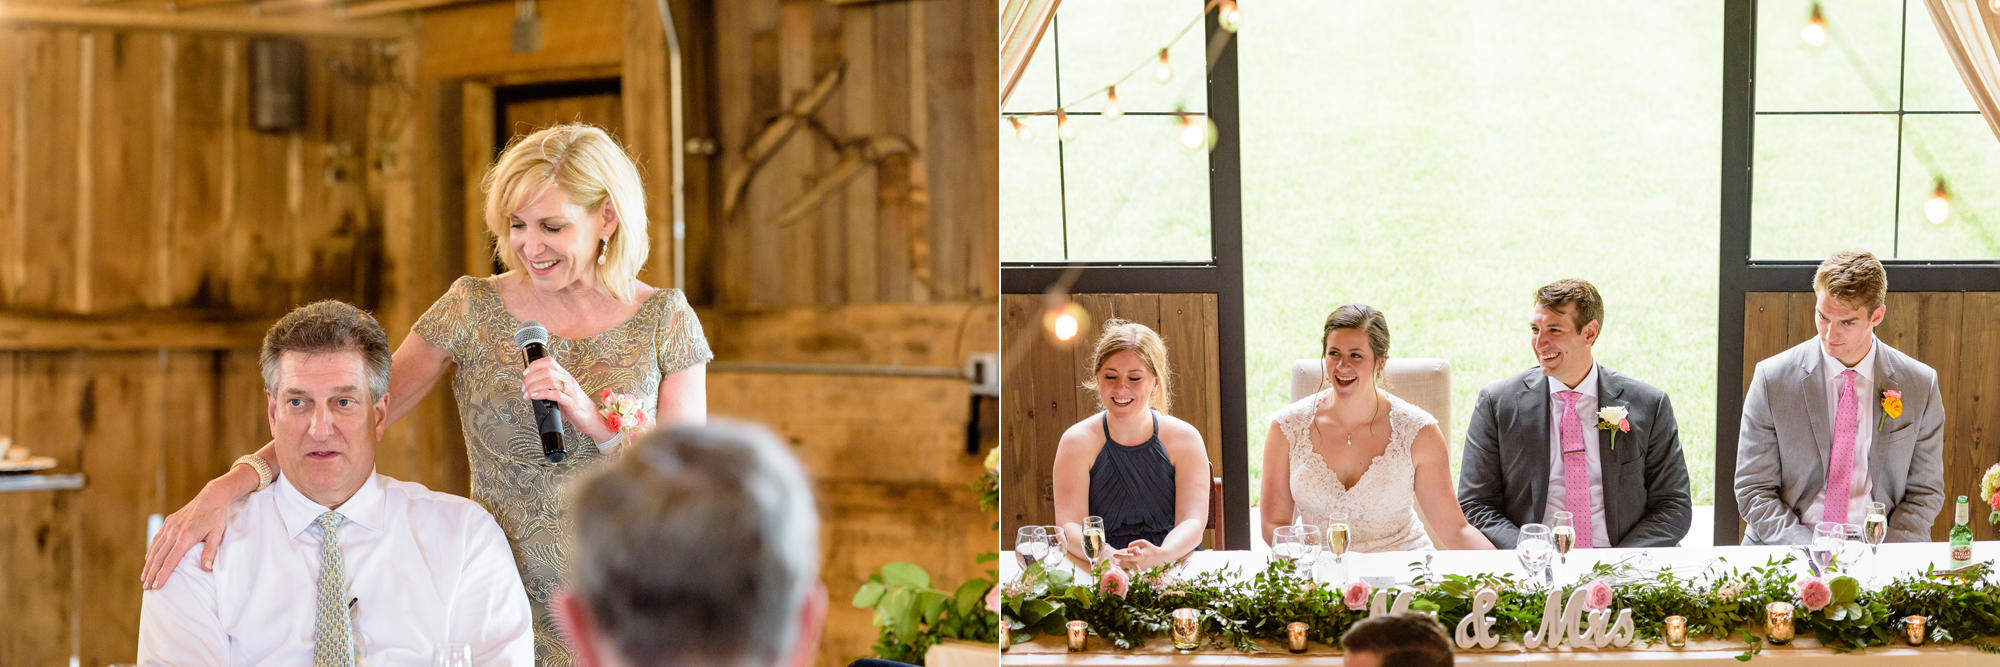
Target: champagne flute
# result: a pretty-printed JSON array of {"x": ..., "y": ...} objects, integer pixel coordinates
[
  {"x": 1827, "y": 538},
  {"x": 1564, "y": 535},
  {"x": 1093, "y": 540},
  {"x": 1876, "y": 527},
  {"x": 1031, "y": 544},
  {"x": 1058, "y": 546},
  {"x": 452, "y": 655},
  {"x": 1336, "y": 535},
  {"x": 1535, "y": 550}
]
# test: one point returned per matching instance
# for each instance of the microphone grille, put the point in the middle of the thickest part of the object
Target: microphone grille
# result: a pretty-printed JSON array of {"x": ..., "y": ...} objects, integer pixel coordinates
[{"x": 531, "y": 332}]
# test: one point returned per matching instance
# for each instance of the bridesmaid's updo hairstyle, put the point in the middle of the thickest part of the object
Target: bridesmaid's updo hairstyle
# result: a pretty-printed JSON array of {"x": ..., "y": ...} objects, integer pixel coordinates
[
  {"x": 591, "y": 168},
  {"x": 1122, "y": 336},
  {"x": 1365, "y": 318}
]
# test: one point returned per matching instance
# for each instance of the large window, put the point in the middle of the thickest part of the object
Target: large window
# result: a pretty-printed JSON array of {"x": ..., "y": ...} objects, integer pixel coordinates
[{"x": 1858, "y": 116}]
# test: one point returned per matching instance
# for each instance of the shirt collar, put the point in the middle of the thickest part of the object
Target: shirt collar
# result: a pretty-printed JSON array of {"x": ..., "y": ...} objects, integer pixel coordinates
[
  {"x": 1587, "y": 388},
  {"x": 1866, "y": 367},
  {"x": 299, "y": 512}
]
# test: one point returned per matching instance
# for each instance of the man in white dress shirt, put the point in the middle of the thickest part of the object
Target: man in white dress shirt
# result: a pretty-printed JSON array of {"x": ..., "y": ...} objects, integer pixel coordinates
[
  {"x": 1819, "y": 439},
  {"x": 331, "y": 564},
  {"x": 699, "y": 546}
]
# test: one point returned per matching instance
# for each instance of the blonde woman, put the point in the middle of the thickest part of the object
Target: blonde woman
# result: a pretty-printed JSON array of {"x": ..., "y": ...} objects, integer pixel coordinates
[
  {"x": 1143, "y": 471},
  {"x": 569, "y": 221}
]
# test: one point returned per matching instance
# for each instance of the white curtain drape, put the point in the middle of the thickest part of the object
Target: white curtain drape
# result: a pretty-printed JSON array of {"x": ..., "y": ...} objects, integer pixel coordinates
[
  {"x": 1022, "y": 23},
  {"x": 1971, "y": 31}
]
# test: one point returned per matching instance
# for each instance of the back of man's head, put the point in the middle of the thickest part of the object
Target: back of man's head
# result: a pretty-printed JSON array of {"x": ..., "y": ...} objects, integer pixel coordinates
[
  {"x": 697, "y": 547},
  {"x": 1404, "y": 640}
]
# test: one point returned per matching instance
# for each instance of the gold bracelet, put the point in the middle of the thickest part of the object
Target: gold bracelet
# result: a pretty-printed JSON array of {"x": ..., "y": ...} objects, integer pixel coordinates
[{"x": 257, "y": 463}]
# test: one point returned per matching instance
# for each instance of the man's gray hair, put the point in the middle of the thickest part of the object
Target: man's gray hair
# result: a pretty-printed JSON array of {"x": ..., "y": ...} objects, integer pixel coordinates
[
  {"x": 328, "y": 327},
  {"x": 699, "y": 546}
]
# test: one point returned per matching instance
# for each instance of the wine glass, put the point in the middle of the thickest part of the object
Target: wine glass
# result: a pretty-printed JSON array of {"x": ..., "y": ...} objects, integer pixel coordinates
[
  {"x": 1336, "y": 535},
  {"x": 1093, "y": 540},
  {"x": 1299, "y": 543},
  {"x": 1564, "y": 535},
  {"x": 1827, "y": 539},
  {"x": 1031, "y": 544},
  {"x": 1535, "y": 550},
  {"x": 452, "y": 655},
  {"x": 1876, "y": 527},
  {"x": 1058, "y": 546},
  {"x": 1852, "y": 546}
]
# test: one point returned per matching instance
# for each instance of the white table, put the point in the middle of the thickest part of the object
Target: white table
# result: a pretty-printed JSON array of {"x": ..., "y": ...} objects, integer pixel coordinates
[{"x": 1894, "y": 559}]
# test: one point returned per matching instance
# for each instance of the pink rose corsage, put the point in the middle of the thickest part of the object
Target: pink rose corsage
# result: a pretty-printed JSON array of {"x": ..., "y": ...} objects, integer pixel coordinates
[{"x": 622, "y": 412}]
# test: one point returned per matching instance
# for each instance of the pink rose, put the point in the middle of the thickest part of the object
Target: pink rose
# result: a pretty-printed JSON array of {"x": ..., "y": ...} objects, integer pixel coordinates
[
  {"x": 1115, "y": 581},
  {"x": 1996, "y": 499},
  {"x": 1356, "y": 596},
  {"x": 1625, "y": 425},
  {"x": 1891, "y": 393},
  {"x": 993, "y": 600},
  {"x": 612, "y": 420},
  {"x": 1814, "y": 594},
  {"x": 1598, "y": 595}
]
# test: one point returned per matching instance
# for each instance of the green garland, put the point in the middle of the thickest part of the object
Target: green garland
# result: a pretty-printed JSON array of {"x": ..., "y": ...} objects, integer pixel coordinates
[
  {"x": 912, "y": 615},
  {"x": 1236, "y": 611}
]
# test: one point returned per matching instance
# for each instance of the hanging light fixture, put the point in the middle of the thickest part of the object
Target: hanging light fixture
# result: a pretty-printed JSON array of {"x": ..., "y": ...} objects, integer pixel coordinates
[
  {"x": 1938, "y": 206},
  {"x": 1814, "y": 33},
  {"x": 1062, "y": 319},
  {"x": 1021, "y": 131},
  {"x": 1193, "y": 129},
  {"x": 1227, "y": 15},
  {"x": 1163, "y": 72},
  {"x": 1065, "y": 128},
  {"x": 1112, "y": 111}
]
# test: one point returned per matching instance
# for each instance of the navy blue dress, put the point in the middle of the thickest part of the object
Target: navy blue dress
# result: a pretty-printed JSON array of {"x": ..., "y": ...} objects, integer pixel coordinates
[{"x": 1132, "y": 489}]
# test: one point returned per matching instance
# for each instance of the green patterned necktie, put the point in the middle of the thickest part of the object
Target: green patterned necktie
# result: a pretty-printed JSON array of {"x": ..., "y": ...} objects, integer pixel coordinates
[{"x": 333, "y": 631}]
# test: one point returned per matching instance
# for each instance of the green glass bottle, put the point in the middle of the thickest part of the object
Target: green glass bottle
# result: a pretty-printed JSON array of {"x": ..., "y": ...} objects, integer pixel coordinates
[{"x": 1961, "y": 534}]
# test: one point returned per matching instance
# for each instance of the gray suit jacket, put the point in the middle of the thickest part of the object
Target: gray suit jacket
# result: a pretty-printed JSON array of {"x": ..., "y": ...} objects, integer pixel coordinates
[
  {"x": 1787, "y": 436},
  {"x": 1503, "y": 482}
]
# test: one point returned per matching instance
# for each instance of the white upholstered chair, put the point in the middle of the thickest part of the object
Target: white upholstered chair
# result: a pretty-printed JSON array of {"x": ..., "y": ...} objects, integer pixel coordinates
[{"x": 1425, "y": 383}]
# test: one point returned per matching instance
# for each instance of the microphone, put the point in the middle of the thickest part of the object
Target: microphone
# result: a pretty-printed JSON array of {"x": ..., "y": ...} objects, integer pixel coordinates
[{"x": 534, "y": 342}]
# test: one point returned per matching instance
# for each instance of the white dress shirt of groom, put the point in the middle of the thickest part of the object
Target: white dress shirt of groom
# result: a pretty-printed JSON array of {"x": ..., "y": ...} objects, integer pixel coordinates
[
  {"x": 1787, "y": 434},
  {"x": 421, "y": 568}
]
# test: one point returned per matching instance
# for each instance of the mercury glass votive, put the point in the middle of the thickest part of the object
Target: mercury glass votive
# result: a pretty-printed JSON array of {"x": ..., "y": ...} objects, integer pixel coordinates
[
  {"x": 1006, "y": 636},
  {"x": 1187, "y": 629},
  {"x": 1295, "y": 636},
  {"x": 1778, "y": 623},
  {"x": 1079, "y": 632},
  {"x": 1677, "y": 631},
  {"x": 1914, "y": 631}
]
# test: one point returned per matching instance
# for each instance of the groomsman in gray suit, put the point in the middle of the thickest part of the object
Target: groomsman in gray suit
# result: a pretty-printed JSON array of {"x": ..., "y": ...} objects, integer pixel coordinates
[
  {"x": 1820, "y": 439},
  {"x": 1535, "y": 447}
]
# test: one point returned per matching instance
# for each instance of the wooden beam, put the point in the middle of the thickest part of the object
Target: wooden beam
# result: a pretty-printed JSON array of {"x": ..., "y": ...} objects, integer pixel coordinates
[
  {"x": 95, "y": 17},
  {"x": 360, "y": 11},
  {"x": 147, "y": 331}
]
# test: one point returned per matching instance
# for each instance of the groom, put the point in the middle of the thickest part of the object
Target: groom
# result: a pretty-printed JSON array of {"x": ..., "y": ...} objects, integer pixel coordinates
[
  {"x": 1820, "y": 438},
  {"x": 1535, "y": 447}
]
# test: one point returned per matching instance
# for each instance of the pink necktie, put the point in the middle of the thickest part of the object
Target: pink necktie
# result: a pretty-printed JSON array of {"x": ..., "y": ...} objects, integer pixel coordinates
[
  {"x": 1840, "y": 471},
  {"x": 1576, "y": 470}
]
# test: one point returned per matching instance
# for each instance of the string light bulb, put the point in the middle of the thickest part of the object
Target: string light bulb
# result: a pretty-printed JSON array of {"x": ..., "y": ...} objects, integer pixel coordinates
[
  {"x": 1021, "y": 130},
  {"x": 1814, "y": 33},
  {"x": 1938, "y": 207},
  {"x": 1163, "y": 72},
  {"x": 1065, "y": 128},
  {"x": 1063, "y": 319},
  {"x": 1194, "y": 130},
  {"x": 1227, "y": 15},
  {"x": 1112, "y": 111}
]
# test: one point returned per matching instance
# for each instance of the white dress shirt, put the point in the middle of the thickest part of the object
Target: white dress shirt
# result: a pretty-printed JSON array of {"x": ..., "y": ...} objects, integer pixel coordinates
[
  {"x": 1586, "y": 410},
  {"x": 1868, "y": 408},
  {"x": 423, "y": 568}
]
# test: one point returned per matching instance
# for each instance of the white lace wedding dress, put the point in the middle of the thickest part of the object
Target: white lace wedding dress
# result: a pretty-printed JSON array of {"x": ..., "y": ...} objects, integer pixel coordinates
[{"x": 1381, "y": 506}]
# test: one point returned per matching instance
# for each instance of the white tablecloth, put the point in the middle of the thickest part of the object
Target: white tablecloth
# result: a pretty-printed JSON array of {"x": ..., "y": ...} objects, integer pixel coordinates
[{"x": 1893, "y": 559}]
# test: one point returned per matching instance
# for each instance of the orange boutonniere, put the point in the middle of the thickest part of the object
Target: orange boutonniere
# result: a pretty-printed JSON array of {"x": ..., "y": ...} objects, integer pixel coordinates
[{"x": 1892, "y": 403}]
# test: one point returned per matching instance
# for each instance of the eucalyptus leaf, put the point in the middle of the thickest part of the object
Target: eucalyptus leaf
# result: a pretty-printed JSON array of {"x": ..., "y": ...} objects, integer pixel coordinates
[
  {"x": 869, "y": 594},
  {"x": 905, "y": 574}
]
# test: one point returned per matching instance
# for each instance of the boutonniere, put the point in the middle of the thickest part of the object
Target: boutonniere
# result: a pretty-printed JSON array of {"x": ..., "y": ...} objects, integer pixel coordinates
[
  {"x": 1892, "y": 404},
  {"x": 1613, "y": 419},
  {"x": 621, "y": 412}
]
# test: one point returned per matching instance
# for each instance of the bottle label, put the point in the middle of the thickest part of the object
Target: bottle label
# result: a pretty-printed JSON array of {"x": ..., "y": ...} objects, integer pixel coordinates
[{"x": 1961, "y": 553}]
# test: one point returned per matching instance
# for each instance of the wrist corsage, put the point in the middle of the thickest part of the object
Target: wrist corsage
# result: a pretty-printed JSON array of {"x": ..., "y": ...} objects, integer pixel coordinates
[{"x": 622, "y": 412}]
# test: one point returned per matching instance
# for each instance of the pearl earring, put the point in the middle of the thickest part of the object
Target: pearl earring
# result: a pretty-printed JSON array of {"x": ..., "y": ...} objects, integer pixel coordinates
[{"x": 602, "y": 250}]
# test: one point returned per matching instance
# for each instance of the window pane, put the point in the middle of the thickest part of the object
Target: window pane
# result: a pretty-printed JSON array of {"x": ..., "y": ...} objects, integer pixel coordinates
[
  {"x": 1134, "y": 193},
  {"x": 1963, "y": 150},
  {"x": 1030, "y": 193},
  {"x": 1037, "y": 89},
  {"x": 1855, "y": 70},
  {"x": 1930, "y": 79},
  {"x": 1102, "y": 40},
  {"x": 1823, "y": 184}
]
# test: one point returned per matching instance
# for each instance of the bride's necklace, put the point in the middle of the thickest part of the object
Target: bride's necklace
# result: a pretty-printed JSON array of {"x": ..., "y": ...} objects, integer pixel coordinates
[{"x": 1371, "y": 423}]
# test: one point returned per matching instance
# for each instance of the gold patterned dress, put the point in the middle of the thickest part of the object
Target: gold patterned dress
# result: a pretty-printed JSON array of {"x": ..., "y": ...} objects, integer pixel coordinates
[{"x": 510, "y": 477}]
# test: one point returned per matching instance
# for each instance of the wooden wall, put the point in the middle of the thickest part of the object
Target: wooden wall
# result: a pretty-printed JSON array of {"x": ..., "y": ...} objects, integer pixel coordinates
[
  {"x": 1042, "y": 393},
  {"x": 1956, "y": 333},
  {"x": 150, "y": 235}
]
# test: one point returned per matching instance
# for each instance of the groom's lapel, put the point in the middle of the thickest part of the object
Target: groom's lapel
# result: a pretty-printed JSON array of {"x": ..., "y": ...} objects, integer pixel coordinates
[
  {"x": 1534, "y": 402},
  {"x": 1816, "y": 411},
  {"x": 1607, "y": 457}
]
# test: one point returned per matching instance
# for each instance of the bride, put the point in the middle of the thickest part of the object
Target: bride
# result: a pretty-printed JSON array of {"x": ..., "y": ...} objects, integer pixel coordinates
[{"x": 1391, "y": 452}]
